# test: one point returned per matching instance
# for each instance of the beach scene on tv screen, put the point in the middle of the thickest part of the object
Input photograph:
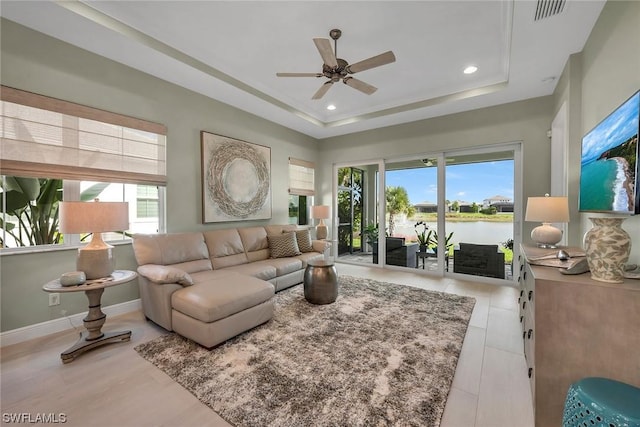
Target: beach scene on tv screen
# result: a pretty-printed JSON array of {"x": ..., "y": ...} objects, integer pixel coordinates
[{"x": 608, "y": 165}]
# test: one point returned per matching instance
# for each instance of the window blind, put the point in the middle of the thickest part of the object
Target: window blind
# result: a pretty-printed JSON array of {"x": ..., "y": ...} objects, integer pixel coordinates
[
  {"x": 49, "y": 138},
  {"x": 301, "y": 177}
]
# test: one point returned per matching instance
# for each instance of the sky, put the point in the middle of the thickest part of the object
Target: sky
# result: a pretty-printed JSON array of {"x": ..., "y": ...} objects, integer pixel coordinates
[
  {"x": 472, "y": 182},
  {"x": 615, "y": 129}
]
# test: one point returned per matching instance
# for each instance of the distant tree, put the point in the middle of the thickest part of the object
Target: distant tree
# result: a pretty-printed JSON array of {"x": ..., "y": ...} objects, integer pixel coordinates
[
  {"x": 491, "y": 210},
  {"x": 475, "y": 208},
  {"x": 397, "y": 204},
  {"x": 455, "y": 206}
]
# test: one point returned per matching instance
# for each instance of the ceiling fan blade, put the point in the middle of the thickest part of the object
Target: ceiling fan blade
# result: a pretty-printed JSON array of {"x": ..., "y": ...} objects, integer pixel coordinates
[
  {"x": 299, "y": 74},
  {"x": 360, "y": 85},
  {"x": 326, "y": 52},
  {"x": 323, "y": 89},
  {"x": 375, "y": 61}
]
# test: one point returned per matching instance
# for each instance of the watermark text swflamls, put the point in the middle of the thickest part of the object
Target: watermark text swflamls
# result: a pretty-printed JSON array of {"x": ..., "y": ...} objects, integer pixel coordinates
[{"x": 37, "y": 418}]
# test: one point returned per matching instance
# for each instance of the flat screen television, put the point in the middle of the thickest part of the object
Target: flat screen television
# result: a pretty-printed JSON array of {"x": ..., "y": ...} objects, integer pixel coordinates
[{"x": 609, "y": 168}]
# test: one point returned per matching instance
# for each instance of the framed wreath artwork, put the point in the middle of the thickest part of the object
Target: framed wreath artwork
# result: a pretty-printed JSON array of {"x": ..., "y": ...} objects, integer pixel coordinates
[{"x": 236, "y": 179}]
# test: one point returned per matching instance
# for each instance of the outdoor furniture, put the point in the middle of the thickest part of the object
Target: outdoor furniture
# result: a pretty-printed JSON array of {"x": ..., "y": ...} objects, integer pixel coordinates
[
  {"x": 398, "y": 253},
  {"x": 423, "y": 255},
  {"x": 479, "y": 260}
]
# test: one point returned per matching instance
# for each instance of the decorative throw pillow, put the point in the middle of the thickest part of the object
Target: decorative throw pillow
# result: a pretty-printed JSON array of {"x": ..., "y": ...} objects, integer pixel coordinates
[
  {"x": 283, "y": 245},
  {"x": 303, "y": 237}
]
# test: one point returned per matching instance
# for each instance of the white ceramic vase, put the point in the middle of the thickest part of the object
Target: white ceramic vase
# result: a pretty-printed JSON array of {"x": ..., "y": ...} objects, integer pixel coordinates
[{"x": 607, "y": 248}]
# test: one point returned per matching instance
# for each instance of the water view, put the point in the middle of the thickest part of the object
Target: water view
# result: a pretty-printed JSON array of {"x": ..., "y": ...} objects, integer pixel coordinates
[{"x": 482, "y": 232}]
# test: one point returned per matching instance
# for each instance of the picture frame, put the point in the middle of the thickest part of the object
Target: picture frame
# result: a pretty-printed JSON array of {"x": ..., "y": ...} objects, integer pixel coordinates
[{"x": 236, "y": 179}]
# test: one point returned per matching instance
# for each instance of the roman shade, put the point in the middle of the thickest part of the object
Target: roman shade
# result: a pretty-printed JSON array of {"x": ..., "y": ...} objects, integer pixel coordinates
[
  {"x": 45, "y": 137},
  {"x": 301, "y": 177}
]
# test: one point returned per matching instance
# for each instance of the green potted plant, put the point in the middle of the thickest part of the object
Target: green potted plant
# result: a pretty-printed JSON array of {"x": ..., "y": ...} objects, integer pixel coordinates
[
  {"x": 370, "y": 233},
  {"x": 433, "y": 241},
  {"x": 423, "y": 238},
  {"x": 508, "y": 244}
]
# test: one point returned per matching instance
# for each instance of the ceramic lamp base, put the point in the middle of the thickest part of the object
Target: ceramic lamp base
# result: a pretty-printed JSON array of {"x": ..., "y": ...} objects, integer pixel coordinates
[
  {"x": 546, "y": 235},
  {"x": 321, "y": 231},
  {"x": 96, "y": 263}
]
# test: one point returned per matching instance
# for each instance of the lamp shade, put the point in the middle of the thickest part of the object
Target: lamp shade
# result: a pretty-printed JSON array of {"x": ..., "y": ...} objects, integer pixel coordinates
[
  {"x": 96, "y": 259},
  {"x": 93, "y": 217},
  {"x": 547, "y": 209},
  {"x": 320, "y": 212}
]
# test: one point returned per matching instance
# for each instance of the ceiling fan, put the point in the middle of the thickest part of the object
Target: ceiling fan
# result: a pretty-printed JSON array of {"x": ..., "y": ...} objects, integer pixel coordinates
[{"x": 336, "y": 69}]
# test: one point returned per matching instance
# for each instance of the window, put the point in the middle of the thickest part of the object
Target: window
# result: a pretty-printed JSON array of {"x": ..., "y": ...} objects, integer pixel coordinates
[
  {"x": 298, "y": 209},
  {"x": 301, "y": 188},
  {"x": 53, "y": 150},
  {"x": 147, "y": 202}
]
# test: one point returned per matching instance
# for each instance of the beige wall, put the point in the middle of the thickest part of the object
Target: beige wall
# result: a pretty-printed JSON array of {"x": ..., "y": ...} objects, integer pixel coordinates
[
  {"x": 594, "y": 83},
  {"x": 37, "y": 63}
]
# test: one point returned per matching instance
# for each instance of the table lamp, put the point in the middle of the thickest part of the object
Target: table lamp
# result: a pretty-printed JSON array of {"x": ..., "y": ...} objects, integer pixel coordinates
[
  {"x": 96, "y": 258},
  {"x": 547, "y": 210},
  {"x": 320, "y": 212}
]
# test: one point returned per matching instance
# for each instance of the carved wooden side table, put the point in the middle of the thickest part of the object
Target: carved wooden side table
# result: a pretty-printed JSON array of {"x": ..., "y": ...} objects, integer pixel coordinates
[{"x": 93, "y": 337}]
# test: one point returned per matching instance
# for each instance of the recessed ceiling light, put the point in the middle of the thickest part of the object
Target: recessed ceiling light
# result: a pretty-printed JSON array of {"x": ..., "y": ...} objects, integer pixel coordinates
[
  {"x": 470, "y": 69},
  {"x": 331, "y": 107}
]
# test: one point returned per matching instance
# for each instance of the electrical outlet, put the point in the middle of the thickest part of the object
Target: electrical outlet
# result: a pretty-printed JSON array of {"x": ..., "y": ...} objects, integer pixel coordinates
[{"x": 54, "y": 299}]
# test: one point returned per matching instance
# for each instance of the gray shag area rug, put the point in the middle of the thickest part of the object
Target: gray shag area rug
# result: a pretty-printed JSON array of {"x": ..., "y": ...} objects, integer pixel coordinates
[{"x": 382, "y": 354}]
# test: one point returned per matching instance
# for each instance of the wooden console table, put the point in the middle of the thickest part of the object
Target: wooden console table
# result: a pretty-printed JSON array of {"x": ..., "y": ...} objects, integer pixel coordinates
[
  {"x": 575, "y": 327},
  {"x": 93, "y": 289}
]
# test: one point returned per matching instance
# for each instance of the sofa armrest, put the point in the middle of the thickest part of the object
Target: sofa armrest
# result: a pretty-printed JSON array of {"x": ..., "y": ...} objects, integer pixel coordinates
[
  {"x": 162, "y": 274},
  {"x": 321, "y": 246}
]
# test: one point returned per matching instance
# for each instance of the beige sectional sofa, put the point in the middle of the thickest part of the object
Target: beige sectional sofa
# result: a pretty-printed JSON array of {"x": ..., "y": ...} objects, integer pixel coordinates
[{"x": 210, "y": 286}]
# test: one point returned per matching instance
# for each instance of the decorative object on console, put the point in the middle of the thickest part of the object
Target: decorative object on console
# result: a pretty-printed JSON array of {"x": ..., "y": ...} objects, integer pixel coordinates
[
  {"x": 607, "y": 246},
  {"x": 236, "y": 179},
  {"x": 320, "y": 212},
  {"x": 95, "y": 259},
  {"x": 73, "y": 278},
  {"x": 547, "y": 210}
]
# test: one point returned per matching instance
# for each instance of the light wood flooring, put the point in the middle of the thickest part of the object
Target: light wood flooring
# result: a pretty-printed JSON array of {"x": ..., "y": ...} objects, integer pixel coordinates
[{"x": 113, "y": 386}]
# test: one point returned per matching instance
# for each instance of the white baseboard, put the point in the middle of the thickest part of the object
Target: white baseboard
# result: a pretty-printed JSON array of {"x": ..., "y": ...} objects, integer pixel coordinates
[{"x": 38, "y": 330}]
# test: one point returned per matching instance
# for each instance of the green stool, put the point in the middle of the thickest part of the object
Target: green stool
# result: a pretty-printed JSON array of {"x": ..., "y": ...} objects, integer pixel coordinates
[{"x": 600, "y": 402}]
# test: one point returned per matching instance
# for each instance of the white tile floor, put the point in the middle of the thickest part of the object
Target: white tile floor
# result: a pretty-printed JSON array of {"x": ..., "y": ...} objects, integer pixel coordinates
[{"x": 113, "y": 386}]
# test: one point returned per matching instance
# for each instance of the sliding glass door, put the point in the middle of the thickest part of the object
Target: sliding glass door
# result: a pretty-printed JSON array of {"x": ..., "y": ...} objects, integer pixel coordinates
[
  {"x": 479, "y": 221},
  {"x": 446, "y": 213},
  {"x": 357, "y": 213},
  {"x": 411, "y": 195}
]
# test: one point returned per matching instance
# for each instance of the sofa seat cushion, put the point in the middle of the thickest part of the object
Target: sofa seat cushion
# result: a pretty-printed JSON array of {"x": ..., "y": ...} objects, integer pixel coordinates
[
  {"x": 260, "y": 270},
  {"x": 221, "y": 297},
  {"x": 283, "y": 265},
  {"x": 208, "y": 276},
  {"x": 306, "y": 257}
]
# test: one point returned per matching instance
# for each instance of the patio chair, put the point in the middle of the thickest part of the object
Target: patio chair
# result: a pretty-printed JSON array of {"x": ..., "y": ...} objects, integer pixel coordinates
[{"x": 479, "y": 260}]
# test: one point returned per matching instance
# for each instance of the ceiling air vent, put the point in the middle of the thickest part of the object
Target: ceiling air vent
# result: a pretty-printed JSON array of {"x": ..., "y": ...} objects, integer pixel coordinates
[{"x": 547, "y": 8}]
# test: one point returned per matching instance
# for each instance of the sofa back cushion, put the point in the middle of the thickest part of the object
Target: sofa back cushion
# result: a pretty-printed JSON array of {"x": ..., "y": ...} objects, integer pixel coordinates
[
  {"x": 225, "y": 248},
  {"x": 186, "y": 251},
  {"x": 279, "y": 229},
  {"x": 254, "y": 240}
]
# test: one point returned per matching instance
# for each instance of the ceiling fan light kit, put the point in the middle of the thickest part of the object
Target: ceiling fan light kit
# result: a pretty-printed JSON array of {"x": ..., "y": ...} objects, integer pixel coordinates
[{"x": 336, "y": 69}]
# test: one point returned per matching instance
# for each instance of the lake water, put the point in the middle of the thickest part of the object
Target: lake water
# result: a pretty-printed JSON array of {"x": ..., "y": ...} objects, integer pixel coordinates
[{"x": 482, "y": 232}]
